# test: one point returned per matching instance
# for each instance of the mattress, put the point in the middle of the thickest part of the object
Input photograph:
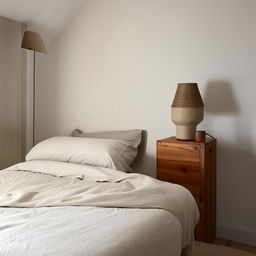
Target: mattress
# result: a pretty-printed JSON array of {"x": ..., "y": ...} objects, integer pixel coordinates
[{"x": 54, "y": 208}]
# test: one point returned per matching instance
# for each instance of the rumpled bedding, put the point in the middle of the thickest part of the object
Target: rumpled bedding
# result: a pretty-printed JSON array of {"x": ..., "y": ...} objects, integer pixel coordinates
[{"x": 58, "y": 199}]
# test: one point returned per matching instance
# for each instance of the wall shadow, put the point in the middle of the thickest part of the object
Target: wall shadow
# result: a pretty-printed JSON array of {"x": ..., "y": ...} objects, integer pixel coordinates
[
  {"x": 236, "y": 159},
  {"x": 236, "y": 183},
  {"x": 143, "y": 162},
  {"x": 219, "y": 98}
]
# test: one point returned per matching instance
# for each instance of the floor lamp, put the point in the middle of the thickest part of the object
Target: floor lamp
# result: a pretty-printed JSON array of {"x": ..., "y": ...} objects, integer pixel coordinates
[{"x": 32, "y": 41}]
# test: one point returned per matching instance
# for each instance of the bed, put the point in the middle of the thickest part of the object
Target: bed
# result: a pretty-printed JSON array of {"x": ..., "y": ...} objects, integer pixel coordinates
[{"x": 74, "y": 197}]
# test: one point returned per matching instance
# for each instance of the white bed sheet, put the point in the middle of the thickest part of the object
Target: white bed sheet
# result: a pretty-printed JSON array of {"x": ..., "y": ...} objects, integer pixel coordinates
[
  {"x": 88, "y": 231},
  {"x": 72, "y": 225}
]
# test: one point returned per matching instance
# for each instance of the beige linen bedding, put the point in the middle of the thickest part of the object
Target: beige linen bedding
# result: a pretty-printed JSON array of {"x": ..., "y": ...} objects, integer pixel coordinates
[{"x": 40, "y": 184}]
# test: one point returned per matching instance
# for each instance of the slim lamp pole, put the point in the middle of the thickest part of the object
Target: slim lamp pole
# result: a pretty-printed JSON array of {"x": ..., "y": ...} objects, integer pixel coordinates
[
  {"x": 32, "y": 41},
  {"x": 34, "y": 97}
]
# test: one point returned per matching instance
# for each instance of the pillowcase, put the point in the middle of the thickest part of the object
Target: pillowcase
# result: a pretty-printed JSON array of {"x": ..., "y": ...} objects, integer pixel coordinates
[
  {"x": 108, "y": 153},
  {"x": 131, "y": 137}
]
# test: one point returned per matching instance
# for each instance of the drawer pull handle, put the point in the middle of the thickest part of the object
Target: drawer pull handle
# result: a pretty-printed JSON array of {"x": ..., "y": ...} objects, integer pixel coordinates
[{"x": 183, "y": 169}]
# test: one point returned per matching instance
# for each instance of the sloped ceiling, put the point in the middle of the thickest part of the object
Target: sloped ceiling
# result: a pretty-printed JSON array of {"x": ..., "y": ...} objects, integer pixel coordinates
[{"x": 48, "y": 17}]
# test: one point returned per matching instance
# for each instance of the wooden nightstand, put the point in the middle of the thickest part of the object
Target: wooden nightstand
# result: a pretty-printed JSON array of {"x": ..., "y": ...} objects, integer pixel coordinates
[{"x": 192, "y": 164}]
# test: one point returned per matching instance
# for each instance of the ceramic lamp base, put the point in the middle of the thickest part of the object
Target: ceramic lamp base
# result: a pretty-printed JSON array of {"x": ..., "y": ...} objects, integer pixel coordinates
[
  {"x": 186, "y": 120},
  {"x": 185, "y": 132}
]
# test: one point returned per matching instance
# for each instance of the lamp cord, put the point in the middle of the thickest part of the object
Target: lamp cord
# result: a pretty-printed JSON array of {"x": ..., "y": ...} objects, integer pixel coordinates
[{"x": 208, "y": 134}]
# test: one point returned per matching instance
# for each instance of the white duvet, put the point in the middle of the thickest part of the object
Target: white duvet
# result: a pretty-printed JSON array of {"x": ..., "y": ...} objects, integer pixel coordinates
[{"x": 54, "y": 208}]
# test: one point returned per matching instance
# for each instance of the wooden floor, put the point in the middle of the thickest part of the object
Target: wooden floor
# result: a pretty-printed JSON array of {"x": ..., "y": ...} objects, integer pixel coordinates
[{"x": 236, "y": 245}]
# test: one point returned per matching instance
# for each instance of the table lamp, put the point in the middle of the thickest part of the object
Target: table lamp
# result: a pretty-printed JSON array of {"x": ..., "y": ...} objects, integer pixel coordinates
[{"x": 187, "y": 110}]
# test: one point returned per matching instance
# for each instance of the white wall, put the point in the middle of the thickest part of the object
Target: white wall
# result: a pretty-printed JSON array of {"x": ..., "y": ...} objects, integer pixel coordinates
[
  {"x": 117, "y": 64},
  {"x": 11, "y": 87}
]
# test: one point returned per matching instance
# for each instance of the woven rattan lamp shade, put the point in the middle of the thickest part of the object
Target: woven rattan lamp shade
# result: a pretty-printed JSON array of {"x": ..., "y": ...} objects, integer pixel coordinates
[{"x": 187, "y": 96}]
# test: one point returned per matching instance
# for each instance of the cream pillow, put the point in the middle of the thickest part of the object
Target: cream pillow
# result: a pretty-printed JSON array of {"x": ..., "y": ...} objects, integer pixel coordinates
[
  {"x": 131, "y": 137},
  {"x": 108, "y": 153}
]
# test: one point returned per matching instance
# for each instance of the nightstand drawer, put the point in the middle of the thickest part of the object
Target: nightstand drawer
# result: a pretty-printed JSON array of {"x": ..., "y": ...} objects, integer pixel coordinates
[
  {"x": 193, "y": 188},
  {"x": 178, "y": 152},
  {"x": 186, "y": 174}
]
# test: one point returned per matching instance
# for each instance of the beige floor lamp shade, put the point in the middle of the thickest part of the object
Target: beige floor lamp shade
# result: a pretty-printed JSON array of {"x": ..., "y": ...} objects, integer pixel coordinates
[
  {"x": 33, "y": 41},
  {"x": 187, "y": 110}
]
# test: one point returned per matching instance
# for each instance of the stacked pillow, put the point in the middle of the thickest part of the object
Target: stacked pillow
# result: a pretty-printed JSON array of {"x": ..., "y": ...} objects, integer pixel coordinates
[{"x": 110, "y": 149}]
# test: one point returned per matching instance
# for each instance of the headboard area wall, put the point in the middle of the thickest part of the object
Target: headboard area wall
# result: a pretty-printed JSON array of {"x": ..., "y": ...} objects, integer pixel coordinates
[{"x": 116, "y": 66}]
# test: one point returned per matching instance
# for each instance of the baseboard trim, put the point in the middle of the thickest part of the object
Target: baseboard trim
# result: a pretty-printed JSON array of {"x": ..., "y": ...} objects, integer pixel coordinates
[{"x": 237, "y": 233}]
